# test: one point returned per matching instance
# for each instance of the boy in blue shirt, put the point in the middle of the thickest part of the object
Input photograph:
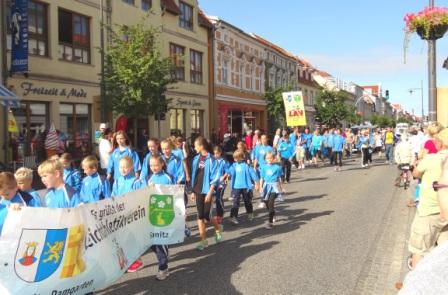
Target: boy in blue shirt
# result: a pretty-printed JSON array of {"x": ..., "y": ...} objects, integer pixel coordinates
[
  {"x": 59, "y": 194},
  {"x": 24, "y": 178},
  {"x": 242, "y": 178},
  {"x": 10, "y": 193},
  {"x": 127, "y": 181},
  {"x": 270, "y": 185},
  {"x": 72, "y": 177},
  {"x": 286, "y": 150},
  {"x": 338, "y": 147},
  {"x": 93, "y": 187}
]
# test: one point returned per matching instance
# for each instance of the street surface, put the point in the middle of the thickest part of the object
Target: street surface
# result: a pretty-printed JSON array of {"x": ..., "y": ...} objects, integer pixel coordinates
[{"x": 336, "y": 233}]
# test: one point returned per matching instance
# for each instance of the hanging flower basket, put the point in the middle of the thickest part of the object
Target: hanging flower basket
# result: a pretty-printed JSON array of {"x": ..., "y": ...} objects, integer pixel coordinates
[{"x": 429, "y": 24}]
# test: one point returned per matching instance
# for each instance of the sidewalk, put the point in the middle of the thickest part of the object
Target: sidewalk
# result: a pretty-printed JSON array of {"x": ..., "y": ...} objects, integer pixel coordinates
[{"x": 387, "y": 261}]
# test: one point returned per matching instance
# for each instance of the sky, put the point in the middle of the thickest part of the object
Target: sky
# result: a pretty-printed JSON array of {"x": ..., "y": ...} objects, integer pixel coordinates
[{"x": 356, "y": 40}]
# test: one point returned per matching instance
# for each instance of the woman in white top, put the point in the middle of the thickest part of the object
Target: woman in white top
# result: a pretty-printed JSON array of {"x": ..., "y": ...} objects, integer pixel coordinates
[
  {"x": 105, "y": 148},
  {"x": 276, "y": 138}
]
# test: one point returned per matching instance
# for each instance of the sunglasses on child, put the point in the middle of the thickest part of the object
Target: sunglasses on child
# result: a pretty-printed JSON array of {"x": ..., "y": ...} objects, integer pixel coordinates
[{"x": 436, "y": 186}]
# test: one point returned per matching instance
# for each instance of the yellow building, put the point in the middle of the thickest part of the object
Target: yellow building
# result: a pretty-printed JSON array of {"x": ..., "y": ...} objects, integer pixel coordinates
[
  {"x": 184, "y": 37},
  {"x": 442, "y": 106},
  {"x": 62, "y": 80}
]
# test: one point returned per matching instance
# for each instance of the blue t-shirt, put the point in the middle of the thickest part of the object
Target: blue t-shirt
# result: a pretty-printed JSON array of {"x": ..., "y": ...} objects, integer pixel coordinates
[
  {"x": 330, "y": 140},
  {"x": 242, "y": 175},
  {"x": 317, "y": 141},
  {"x": 125, "y": 184},
  {"x": 293, "y": 138},
  {"x": 65, "y": 197},
  {"x": 72, "y": 177},
  {"x": 178, "y": 153},
  {"x": 307, "y": 138},
  {"x": 261, "y": 151},
  {"x": 271, "y": 173},
  {"x": 160, "y": 178},
  {"x": 115, "y": 157},
  {"x": 94, "y": 188},
  {"x": 3, "y": 214},
  {"x": 18, "y": 199},
  {"x": 175, "y": 168},
  {"x": 286, "y": 149},
  {"x": 339, "y": 142}
]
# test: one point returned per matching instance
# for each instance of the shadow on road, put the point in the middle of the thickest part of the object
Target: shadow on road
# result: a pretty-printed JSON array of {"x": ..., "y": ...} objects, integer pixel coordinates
[
  {"x": 212, "y": 269},
  {"x": 310, "y": 179}
]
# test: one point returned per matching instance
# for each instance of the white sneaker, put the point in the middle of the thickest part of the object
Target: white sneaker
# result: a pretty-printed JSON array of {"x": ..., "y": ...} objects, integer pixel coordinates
[
  {"x": 280, "y": 198},
  {"x": 162, "y": 275},
  {"x": 303, "y": 166},
  {"x": 234, "y": 220},
  {"x": 261, "y": 205}
]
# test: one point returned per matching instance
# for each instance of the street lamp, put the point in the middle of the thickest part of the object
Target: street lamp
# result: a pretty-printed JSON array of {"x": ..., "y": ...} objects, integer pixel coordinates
[{"x": 421, "y": 90}]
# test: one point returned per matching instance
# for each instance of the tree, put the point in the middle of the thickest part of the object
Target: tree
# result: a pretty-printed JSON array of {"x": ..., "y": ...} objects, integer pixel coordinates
[
  {"x": 331, "y": 108},
  {"x": 382, "y": 121},
  {"x": 276, "y": 107},
  {"x": 136, "y": 74}
]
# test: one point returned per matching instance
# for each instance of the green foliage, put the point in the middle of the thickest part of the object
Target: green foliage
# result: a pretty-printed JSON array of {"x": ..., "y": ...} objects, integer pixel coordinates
[
  {"x": 136, "y": 75},
  {"x": 382, "y": 121},
  {"x": 405, "y": 120},
  {"x": 331, "y": 108}
]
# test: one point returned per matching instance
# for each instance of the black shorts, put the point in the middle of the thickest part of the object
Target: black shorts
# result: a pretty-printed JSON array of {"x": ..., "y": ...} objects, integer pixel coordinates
[{"x": 202, "y": 207}]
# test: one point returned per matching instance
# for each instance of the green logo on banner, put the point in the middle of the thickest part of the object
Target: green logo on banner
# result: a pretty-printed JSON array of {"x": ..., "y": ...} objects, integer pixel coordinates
[
  {"x": 297, "y": 98},
  {"x": 161, "y": 210}
]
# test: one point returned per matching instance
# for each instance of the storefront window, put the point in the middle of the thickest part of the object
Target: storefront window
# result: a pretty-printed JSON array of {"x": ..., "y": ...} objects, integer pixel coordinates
[
  {"x": 177, "y": 121},
  {"x": 75, "y": 127},
  {"x": 197, "y": 121},
  {"x": 32, "y": 120}
]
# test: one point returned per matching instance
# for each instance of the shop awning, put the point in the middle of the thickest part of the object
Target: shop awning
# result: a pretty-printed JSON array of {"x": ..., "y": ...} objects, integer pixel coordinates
[{"x": 8, "y": 98}]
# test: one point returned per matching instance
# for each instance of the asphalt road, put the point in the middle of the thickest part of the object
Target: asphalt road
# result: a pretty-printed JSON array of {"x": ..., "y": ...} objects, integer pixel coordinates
[{"x": 336, "y": 233}]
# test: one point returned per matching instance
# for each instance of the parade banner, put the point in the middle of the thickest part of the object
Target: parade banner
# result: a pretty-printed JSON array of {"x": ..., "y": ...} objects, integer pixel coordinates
[
  {"x": 294, "y": 108},
  {"x": 80, "y": 250},
  {"x": 19, "y": 36}
]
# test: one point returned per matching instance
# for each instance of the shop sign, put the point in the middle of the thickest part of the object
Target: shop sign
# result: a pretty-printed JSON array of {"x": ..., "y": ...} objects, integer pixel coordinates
[
  {"x": 29, "y": 89},
  {"x": 183, "y": 103}
]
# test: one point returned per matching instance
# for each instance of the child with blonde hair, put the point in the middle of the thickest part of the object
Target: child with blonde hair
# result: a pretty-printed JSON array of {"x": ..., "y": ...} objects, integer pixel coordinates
[
  {"x": 11, "y": 194},
  {"x": 24, "y": 178},
  {"x": 93, "y": 187}
]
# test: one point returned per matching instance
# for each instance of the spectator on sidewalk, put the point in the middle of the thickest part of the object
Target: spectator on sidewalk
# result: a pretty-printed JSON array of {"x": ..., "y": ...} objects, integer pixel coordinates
[
  {"x": 389, "y": 141},
  {"x": 105, "y": 149},
  {"x": 428, "y": 228},
  {"x": 429, "y": 146},
  {"x": 402, "y": 155}
]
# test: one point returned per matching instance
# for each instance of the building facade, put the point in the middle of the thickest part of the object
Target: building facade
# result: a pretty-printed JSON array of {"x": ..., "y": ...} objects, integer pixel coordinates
[
  {"x": 239, "y": 70},
  {"x": 62, "y": 83}
]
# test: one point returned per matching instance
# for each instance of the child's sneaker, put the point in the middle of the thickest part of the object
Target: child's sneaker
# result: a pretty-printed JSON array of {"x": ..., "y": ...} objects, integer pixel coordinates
[
  {"x": 280, "y": 198},
  {"x": 218, "y": 236},
  {"x": 261, "y": 205},
  {"x": 187, "y": 231},
  {"x": 250, "y": 216},
  {"x": 234, "y": 220},
  {"x": 162, "y": 275},
  {"x": 136, "y": 266},
  {"x": 202, "y": 245}
]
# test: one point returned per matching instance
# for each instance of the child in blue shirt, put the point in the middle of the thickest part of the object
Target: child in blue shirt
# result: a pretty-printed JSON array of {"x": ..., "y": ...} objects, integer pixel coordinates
[
  {"x": 24, "y": 178},
  {"x": 10, "y": 193},
  {"x": 127, "y": 181},
  {"x": 316, "y": 146},
  {"x": 260, "y": 151},
  {"x": 123, "y": 149},
  {"x": 153, "y": 150},
  {"x": 242, "y": 178},
  {"x": 173, "y": 164},
  {"x": 270, "y": 185},
  {"x": 59, "y": 194},
  {"x": 338, "y": 148},
  {"x": 222, "y": 167},
  {"x": 72, "y": 177},
  {"x": 286, "y": 150},
  {"x": 93, "y": 187},
  {"x": 3, "y": 214},
  {"x": 159, "y": 176}
]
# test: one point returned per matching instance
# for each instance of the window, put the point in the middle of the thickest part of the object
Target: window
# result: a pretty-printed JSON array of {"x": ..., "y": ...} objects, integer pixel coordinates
[
  {"x": 177, "y": 121},
  {"x": 225, "y": 67},
  {"x": 195, "y": 67},
  {"x": 196, "y": 117},
  {"x": 75, "y": 125},
  {"x": 146, "y": 5},
  {"x": 241, "y": 76},
  {"x": 132, "y": 2},
  {"x": 37, "y": 28},
  {"x": 177, "y": 54},
  {"x": 74, "y": 37},
  {"x": 186, "y": 16}
]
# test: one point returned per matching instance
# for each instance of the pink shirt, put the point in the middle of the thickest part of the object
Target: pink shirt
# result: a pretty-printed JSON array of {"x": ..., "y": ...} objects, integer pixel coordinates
[{"x": 430, "y": 146}]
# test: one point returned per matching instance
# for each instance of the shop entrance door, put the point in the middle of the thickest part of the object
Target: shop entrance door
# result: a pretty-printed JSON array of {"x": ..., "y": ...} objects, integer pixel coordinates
[{"x": 236, "y": 122}]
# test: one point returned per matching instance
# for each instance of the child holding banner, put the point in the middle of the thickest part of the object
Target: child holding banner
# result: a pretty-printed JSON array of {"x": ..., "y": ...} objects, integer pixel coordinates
[
  {"x": 127, "y": 181},
  {"x": 24, "y": 178},
  {"x": 158, "y": 176},
  {"x": 10, "y": 193},
  {"x": 93, "y": 188},
  {"x": 59, "y": 194}
]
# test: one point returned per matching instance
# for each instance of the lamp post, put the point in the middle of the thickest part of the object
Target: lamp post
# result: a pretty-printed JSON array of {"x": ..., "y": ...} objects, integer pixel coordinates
[
  {"x": 421, "y": 90},
  {"x": 432, "y": 77}
]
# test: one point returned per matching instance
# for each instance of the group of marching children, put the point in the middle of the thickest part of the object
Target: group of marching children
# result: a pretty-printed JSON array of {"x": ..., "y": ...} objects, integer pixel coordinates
[{"x": 205, "y": 176}]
